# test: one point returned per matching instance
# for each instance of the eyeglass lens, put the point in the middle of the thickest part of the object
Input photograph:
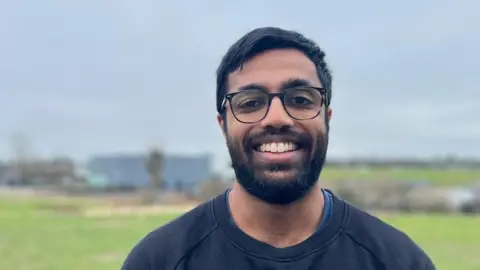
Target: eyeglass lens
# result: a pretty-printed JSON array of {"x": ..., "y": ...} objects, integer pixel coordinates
[{"x": 300, "y": 103}]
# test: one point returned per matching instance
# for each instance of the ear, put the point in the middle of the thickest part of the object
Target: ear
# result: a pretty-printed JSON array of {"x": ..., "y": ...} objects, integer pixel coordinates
[
  {"x": 329, "y": 113},
  {"x": 221, "y": 123}
]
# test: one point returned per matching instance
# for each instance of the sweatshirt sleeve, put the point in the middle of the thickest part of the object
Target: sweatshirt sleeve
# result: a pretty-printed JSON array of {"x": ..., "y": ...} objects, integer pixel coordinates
[
  {"x": 137, "y": 259},
  {"x": 429, "y": 265}
]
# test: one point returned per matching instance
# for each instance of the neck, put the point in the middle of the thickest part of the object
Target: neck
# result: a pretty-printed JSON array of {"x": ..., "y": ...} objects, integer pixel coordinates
[{"x": 277, "y": 225}]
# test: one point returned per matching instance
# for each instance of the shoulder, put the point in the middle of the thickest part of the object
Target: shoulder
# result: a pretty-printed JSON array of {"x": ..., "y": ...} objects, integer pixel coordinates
[
  {"x": 165, "y": 246},
  {"x": 390, "y": 246}
]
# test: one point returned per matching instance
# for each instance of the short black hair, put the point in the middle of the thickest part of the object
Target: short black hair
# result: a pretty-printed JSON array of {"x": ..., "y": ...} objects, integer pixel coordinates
[{"x": 264, "y": 39}]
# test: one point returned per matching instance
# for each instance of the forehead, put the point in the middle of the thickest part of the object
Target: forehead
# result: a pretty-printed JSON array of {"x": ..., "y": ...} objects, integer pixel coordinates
[{"x": 273, "y": 68}]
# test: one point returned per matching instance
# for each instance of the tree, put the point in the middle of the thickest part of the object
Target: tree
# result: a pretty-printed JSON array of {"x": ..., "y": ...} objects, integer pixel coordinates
[
  {"x": 23, "y": 158},
  {"x": 155, "y": 167}
]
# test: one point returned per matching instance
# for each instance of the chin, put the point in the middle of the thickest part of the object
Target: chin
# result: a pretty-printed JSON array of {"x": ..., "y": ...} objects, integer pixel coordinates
[
  {"x": 279, "y": 176},
  {"x": 278, "y": 187}
]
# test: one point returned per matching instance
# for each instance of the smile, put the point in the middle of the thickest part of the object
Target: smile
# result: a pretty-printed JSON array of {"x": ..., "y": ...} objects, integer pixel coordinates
[{"x": 277, "y": 147}]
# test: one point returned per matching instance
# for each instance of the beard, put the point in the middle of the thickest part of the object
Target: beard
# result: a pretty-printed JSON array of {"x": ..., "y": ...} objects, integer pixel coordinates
[{"x": 278, "y": 183}]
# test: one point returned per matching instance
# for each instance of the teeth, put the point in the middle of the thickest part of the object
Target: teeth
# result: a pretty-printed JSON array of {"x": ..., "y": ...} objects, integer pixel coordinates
[{"x": 278, "y": 147}]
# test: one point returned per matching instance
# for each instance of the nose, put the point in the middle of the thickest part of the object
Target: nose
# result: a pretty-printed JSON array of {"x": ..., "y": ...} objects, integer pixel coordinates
[{"x": 277, "y": 117}]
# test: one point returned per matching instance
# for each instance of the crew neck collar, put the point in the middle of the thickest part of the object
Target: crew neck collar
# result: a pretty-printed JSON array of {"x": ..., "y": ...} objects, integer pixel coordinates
[{"x": 317, "y": 241}]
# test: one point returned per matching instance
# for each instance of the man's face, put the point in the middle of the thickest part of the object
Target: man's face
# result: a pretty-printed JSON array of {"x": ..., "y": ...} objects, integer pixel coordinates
[{"x": 274, "y": 176}]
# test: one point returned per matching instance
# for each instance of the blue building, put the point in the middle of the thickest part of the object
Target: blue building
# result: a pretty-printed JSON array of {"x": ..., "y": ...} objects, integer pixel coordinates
[{"x": 129, "y": 171}]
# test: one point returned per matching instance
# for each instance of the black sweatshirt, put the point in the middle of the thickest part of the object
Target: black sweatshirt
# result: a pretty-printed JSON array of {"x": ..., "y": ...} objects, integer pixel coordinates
[{"x": 205, "y": 238}]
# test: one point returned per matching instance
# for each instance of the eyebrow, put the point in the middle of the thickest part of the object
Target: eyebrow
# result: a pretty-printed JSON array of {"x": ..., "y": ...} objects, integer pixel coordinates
[
  {"x": 290, "y": 83},
  {"x": 253, "y": 86},
  {"x": 294, "y": 82}
]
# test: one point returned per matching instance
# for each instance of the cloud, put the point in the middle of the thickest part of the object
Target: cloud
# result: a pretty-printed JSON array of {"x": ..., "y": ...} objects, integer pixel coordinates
[{"x": 115, "y": 75}]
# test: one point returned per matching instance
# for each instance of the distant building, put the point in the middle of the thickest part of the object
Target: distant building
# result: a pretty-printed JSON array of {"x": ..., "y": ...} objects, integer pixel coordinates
[
  {"x": 129, "y": 171},
  {"x": 5, "y": 174},
  {"x": 41, "y": 172}
]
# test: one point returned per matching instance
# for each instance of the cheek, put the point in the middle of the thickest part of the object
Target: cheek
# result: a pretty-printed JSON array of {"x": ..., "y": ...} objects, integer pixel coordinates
[
  {"x": 237, "y": 133},
  {"x": 228, "y": 121},
  {"x": 316, "y": 127},
  {"x": 322, "y": 123},
  {"x": 235, "y": 130}
]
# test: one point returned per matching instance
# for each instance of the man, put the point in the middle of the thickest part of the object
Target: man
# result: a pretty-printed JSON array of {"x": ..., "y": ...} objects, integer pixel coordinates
[{"x": 273, "y": 100}]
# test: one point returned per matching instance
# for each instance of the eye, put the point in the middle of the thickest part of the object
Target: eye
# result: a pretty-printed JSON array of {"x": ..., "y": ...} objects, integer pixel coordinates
[
  {"x": 249, "y": 101},
  {"x": 301, "y": 100}
]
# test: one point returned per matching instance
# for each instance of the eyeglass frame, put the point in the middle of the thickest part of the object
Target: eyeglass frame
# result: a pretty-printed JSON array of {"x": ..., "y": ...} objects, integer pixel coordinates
[{"x": 281, "y": 95}]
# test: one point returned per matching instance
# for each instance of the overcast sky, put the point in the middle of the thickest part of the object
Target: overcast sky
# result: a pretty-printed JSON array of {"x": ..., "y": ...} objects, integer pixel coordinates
[{"x": 86, "y": 77}]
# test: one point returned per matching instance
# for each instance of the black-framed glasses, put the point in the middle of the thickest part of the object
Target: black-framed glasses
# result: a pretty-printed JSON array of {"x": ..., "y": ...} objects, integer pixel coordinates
[{"x": 252, "y": 105}]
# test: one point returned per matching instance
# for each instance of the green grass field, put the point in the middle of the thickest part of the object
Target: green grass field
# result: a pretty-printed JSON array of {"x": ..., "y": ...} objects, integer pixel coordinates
[
  {"x": 35, "y": 238},
  {"x": 435, "y": 176}
]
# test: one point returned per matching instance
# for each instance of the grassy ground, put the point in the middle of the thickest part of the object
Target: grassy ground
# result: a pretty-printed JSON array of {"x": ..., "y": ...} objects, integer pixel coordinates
[
  {"x": 34, "y": 237},
  {"x": 453, "y": 242},
  {"x": 435, "y": 176}
]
